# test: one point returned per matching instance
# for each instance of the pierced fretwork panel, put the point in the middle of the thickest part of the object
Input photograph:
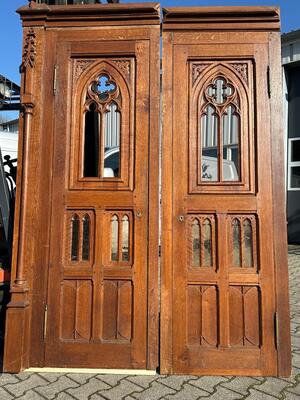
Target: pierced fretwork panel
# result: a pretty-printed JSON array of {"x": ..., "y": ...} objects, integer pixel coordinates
[
  {"x": 202, "y": 243},
  {"x": 243, "y": 241},
  {"x": 117, "y": 310},
  {"x": 79, "y": 238},
  {"x": 76, "y": 317},
  {"x": 244, "y": 316},
  {"x": 203, "y": 314},
  {"x": 121, "y": 237}
]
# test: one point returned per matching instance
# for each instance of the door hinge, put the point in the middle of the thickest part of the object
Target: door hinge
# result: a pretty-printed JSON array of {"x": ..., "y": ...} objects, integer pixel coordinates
[
  {"x": 276, "y": 328},
  {"x": 269, "y": 81},
  {"x": 54, "y": 79},
  {"x": 159, "y": 251},
  {"x": 45, "y": 320}
]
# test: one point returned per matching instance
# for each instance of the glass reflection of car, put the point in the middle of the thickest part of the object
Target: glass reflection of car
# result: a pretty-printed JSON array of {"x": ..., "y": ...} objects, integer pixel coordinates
[
  {"x": 111, "y": 162},
  {"x": 210, "y": 169}
]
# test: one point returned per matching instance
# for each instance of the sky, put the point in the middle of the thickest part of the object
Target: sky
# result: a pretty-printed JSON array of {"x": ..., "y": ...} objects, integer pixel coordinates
[{"x": 11, "y": 31}]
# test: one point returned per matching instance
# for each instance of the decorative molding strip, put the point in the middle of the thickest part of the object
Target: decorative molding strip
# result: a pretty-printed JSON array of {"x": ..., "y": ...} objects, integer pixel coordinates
[
  {"x": 29, "y": 52},
  {"x": 197, "y": 68},
  {"x": 242, "y": 70}
]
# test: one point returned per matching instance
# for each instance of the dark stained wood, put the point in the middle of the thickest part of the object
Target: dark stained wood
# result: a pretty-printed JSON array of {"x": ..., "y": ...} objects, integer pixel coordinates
[
  {"x": 220, "y": 319},
  {"x": 100, "y": 313}
]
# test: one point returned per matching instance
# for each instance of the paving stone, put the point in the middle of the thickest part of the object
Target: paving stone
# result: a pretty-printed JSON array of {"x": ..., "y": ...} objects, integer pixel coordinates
[
  {"x": 8, "y": 378},
  {"x": 291, "y": 396},
  {"x": 50, "y": 376},
  {"x": 123, "y": 389},
  {"x": 257, "y": 395},
  {"x": 81, "y": 378},
  {"x": 84, "y": 391},
  {"x": 64, "y": 396},
  {"x": 32, "y": 381},
  {"x": 52, "y": 389},
  {"x": 222, "y": 393},
  {"x": 111, "y": 380},
  {"x": 187, "y": 392},
  {"x": 176, "y": 381},
  {"x": 143, "y": 381},
  {"x": 31, "y": 395},
  {"x": 241, "y": 384},
  {"x": 294, "y": 390},
  {"x": 4, "y": 395},
  {"x": 208, "y": 383},
  {"x": 154, "y": 392},
  {"x": 273, "y": 386}
]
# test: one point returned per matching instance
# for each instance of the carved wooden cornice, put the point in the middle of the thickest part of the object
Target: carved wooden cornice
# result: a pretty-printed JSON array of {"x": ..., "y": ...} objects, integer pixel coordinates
[
  {"x": 108, "y": 14},
  {"x": 222, "y": 18}
]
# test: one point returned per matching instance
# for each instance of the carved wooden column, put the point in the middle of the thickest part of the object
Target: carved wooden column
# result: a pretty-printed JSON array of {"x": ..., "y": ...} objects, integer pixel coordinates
[{"x": 17, "y": 313}]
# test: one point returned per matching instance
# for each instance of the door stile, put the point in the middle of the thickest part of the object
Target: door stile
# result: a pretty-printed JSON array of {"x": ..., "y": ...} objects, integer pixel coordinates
[
  {"x": 154, "y": 200},
  {"x": 166, "y": 335}
]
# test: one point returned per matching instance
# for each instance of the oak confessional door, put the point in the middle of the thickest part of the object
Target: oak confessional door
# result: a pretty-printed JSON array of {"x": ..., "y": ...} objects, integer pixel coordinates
[
  {"x": 220, "y": 313},
  {"x": 97, "y": 294}
]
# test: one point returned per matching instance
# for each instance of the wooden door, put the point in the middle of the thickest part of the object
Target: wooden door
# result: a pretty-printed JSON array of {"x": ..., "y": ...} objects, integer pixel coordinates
[
  {"x": 220, "y": 316},
  {"x": 98, "y": 305}
]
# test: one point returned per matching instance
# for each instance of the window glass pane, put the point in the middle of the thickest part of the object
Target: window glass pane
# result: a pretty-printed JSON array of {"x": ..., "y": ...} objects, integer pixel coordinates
[
  {"x": 75, "y": 237},
  {"x": 125, "y": 238},
  {"x": 295, "y": 150},
  {"x": 230, "y": 128},
  {"x": 207, "y": 262},
  {"x": 196, "y": 243},
  {"x": 86, "y": 238},
  {"x": 236, "y": 243},
  {"x": 295, "y": 177},
  {"x": 112, "y": 142},
  {"x": 209, "y": 129},
  {"x": 248, "y": 243},
  {"x": 114, "y": 238},
  {"x": 91, "y": 142}
]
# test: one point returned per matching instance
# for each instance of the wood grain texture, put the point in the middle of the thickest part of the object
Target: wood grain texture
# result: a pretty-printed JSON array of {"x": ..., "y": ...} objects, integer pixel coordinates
[
  {"x": 126, "y": 39},
  {"x": 246, "y": 294}
]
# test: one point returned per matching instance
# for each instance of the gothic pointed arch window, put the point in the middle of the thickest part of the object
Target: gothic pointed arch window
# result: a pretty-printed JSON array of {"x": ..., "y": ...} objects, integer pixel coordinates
[
  {"x": 220, "y": 127},
  {"x": 103, "y": 128}
]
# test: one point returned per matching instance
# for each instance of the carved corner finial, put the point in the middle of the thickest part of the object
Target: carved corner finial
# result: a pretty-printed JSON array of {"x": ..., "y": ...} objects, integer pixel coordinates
[
  {"x": 197, "y": 68},
  {"x": 29, "y": 52},
  {"x": 242, "y": 70},
  {"x": 124, "y": 66},
  {"x": 32, "y": 3}
]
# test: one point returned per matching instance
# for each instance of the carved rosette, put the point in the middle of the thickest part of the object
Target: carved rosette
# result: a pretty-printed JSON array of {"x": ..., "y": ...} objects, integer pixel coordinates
[
  {"x": 29, "y": 51},
  {"x": 197, "y": 68},
  {"x": 242, "y": 70}
]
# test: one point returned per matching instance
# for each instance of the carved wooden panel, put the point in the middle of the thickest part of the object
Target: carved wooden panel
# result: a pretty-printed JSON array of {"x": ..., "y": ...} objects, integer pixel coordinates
[
  {"x": 202, "y": 240},
  {"x": 76, "y": 316},
  {"x": 117, "y": 310},
  {"x": 243, "y": 241},
  {"x": 79, "y": 237},
  {"x": 221, "y": 126},
  {"x": 244, "y": 316},
  {"x": 203, "y": 312},
  {"x": 102, "y": 132},
  {"x": 119, "y": 232}
]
